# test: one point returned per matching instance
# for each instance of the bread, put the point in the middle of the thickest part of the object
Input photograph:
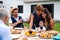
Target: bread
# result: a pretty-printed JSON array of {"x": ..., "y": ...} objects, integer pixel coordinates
[
  {"x": 53, "y": 32},
  {"x": 15, "y": 32}
]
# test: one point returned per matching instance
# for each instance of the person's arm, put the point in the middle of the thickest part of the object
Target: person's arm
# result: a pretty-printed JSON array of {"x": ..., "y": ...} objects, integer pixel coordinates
[
  {"x": 28, "y": 21},
  {"x": 6, "y": 35},
  {"x": 52, "y": 24},
  {"x": 14, "y": 24},
  {"x": 31, "y": 21}
]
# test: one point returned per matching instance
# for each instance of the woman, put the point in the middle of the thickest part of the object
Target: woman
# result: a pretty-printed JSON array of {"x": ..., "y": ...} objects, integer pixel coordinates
[
  {"x": 36, "y": 17},
  {"x": 48, "y": 21},
  {"x": 15, "y": 20}
]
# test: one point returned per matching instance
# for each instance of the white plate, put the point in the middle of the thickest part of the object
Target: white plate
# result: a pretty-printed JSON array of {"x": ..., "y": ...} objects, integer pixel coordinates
[
  {"x": 33, "y": 38},
  {"x": 18, "y": 28},
  {"x": 15, "y": 36}
]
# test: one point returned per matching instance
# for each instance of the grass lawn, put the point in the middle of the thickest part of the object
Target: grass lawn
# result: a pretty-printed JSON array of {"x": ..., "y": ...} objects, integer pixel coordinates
[{"x": 57, "y": 26}]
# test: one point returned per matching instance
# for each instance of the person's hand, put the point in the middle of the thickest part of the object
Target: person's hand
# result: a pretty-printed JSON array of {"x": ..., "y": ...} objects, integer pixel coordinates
[
  {"x": 30, "y": 28},
  {"x": 19, "y": 21}
]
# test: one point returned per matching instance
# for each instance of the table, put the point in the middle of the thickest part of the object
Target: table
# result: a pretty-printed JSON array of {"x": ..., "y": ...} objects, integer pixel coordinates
[
  {"x": 20, "y": 36},
  {"x": 29, "y": 38}
]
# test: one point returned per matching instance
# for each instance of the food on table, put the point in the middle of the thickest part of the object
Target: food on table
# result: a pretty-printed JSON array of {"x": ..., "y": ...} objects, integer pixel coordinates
[
  {"x": 54, "y": 33},
  {"x": 30, "y": 33},
  {"x": 45, "y": 35},
  {"x": 15, "y": 32}
]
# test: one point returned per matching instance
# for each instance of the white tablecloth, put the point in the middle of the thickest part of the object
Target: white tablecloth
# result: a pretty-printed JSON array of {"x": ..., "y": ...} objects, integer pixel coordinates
[{"x": 19, "y": 37}]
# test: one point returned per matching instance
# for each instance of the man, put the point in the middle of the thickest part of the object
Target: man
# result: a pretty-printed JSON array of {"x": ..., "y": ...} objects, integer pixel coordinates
[
  {"x": 4, "y": 30},
  {"x": 15, "y": 20},
  {"x": 1, "y": 4}
]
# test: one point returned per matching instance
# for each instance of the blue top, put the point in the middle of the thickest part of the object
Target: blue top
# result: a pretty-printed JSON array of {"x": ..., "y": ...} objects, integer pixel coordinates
[
  {"x": 4, "y": 32},
  {"x": 18, "y": 25},
  {"x": 36, "y": 20}
]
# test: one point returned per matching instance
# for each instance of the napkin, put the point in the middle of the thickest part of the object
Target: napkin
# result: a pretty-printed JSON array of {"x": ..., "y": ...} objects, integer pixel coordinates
[{"x": 57, "y": 37}]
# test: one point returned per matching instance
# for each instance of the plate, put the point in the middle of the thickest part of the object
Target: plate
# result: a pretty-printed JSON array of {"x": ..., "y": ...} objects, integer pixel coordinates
[
  {"x": 18, "y": 28},
  {"x": 33, "y": 38},
  {"x": 14, "y": 36}
]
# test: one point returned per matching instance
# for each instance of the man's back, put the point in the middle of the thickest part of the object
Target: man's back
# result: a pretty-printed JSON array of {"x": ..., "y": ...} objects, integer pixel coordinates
[{"x": 4, "y": 32}]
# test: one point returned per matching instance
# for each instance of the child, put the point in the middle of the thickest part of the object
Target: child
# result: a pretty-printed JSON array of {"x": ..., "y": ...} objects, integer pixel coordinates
[{"x": 42, "y": 27}]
